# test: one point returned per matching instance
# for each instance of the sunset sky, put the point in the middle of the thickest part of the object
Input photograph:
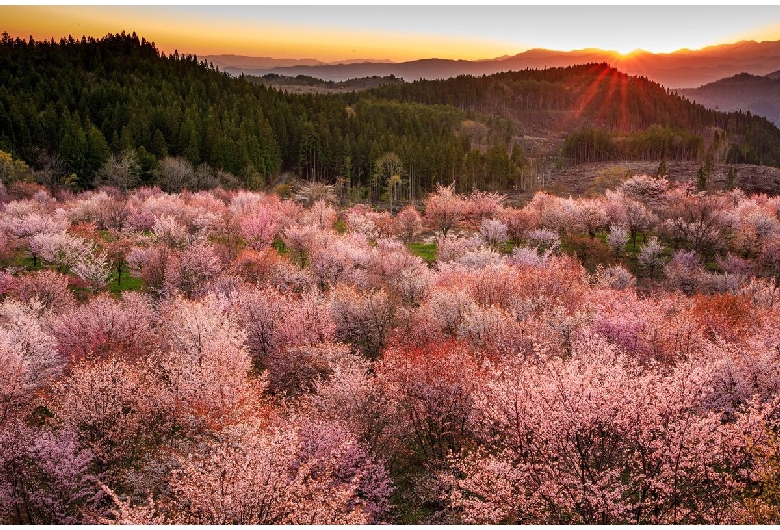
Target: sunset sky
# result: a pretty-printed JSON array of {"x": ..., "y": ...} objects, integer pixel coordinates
[{"x": 399, "y": 33}]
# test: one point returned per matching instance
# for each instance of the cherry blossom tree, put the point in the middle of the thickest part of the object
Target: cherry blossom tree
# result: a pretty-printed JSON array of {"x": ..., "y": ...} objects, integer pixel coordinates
[
  {"x": 321, "y": 214},
  {"x": 651, "y": 255},
  {"x": 444, "y": 209},
  {"x": 149, "y": 263},
  {"x": 614, "y": 277},
  {"x": 170, "y": 232},
  {"x": 60, "y": 249},
  {"x": 646, "y": 189},
  {"x": 105, "y": 327},
  {"x": 117, "y": 249},
  {"x": 494, "y": 232},
  {"x": 45, "y": 478},
  {"x": 28, "y": 354},
  {"x": 188, "y": 271},
  {"x": 434, "y": 389},
  {"x": 94, "y": 268},
  {"x": 25, "y": 227},
  {"x": 617, "y": 238},
  {"x": 601, "y": 450},
  {"x": 296, "y": 369},
  {"x": 481, "y": 205},
  {"x": 450, "y": 249},
  {"x": 410, "y": 223},
  {"x": 518, "y": 221},
  {"x": 47, "y": 287},
  {"x": 292, "y": 474},
  {"x": 117, "y": 410},
  {"x": 592, "y": 215},
  {"x": 205, "y": 363},
  {"x": 260, "y": 227},
  {"x": 362, "y": 319},
  {"x": 285, "y": 384},
  {"x": 698, "y": 221}
]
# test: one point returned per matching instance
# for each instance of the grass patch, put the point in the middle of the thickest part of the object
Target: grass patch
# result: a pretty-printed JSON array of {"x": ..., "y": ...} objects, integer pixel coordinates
[
  {"x": 129, "y": 283},
  {"x": 279, "y": 245},
  {"x": 23, "y": 260},
  {"x": 508, "y": 247},
  {"x": 426, "y": 251}
]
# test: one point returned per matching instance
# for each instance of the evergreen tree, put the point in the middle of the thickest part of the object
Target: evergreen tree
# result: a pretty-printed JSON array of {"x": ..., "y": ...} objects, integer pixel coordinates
[{"x": 701, "y": 178}]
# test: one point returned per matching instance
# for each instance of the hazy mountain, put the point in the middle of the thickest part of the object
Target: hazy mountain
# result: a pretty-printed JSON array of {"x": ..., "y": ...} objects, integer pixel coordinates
[
  {"x": 245, "y": 62},
  {"x": 683, "y": 68},
  {"x": 237, "y": 63},
  {"x": 360, "y": 61},
  {"x": 757, "y": 94},
  {"x": 773, "y": 75}
]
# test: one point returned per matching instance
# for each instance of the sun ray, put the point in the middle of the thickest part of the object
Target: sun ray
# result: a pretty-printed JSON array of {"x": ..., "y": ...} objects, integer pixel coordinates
[
  {"x": 591, "y": 91},
  {"x": 623, "y": 103},
  {"x": 605, "y": 104}
]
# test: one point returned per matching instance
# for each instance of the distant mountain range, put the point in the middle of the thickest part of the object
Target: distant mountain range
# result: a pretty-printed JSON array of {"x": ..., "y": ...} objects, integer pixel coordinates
[
  {"x": 757, "y": 94},
  {"x": 681, "y": 69},
  {"x": 229, "y": 62}
]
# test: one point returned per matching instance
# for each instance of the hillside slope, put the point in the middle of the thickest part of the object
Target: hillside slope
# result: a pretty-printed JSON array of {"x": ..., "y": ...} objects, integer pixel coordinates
[{"x": 646, "y": 119}]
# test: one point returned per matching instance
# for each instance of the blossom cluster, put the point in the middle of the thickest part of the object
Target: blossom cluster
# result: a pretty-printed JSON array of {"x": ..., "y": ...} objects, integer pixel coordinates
[{"x": 233, "y": 357}]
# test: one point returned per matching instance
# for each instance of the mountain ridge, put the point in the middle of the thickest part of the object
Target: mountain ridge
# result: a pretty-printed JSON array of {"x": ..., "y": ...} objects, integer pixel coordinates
[
  {"x": 253, "y": 62},
  {"x": 679, "y": 69},
  {"x": 741, "y": 92}
]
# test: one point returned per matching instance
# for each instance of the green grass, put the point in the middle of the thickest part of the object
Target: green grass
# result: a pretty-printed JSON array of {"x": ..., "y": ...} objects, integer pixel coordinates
[
  {"x": 23, "y": 259},
  {"x": 279, "y": 245},
  {"x": 426, "y": 251},
  {"x": 129, "y": 283},
  {"x": 508, "y": 247}
]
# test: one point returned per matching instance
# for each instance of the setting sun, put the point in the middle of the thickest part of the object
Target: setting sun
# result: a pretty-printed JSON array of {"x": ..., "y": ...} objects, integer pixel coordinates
[
  {"x": 630, "y": 52},
  {"x": 400, "y": 33}
]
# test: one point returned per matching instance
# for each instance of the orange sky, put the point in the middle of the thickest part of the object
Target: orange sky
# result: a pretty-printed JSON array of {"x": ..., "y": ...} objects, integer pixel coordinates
[{"x": 399, "y": 33}]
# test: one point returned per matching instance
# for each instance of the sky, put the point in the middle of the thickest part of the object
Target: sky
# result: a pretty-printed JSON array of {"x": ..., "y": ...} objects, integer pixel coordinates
[{"x": 401, "y": 32}]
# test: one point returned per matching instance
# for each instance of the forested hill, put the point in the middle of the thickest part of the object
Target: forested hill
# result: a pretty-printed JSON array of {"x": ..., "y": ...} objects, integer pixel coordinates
[
  {"x": 600, "y": 99},
  {"x": 67, "y": 106},
  {"x": 72, "y": 108},
  {"x": 80, "y": 100}
]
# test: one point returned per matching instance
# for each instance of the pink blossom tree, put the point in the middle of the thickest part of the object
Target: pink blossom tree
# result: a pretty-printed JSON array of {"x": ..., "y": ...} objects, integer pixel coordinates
[
  {"x": 410, "y": 223},
  {"x": 292, "y": 474},
  {"x": 363, "y": 320},
  {"x": 444, "y": 209}
]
